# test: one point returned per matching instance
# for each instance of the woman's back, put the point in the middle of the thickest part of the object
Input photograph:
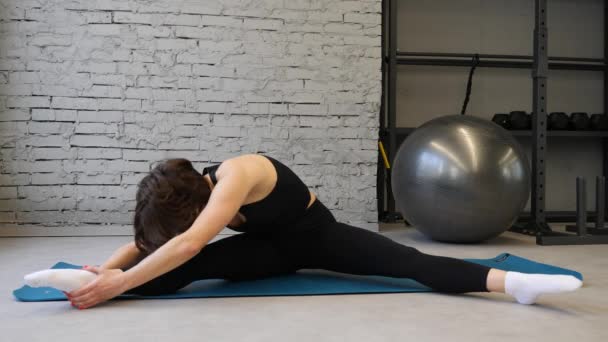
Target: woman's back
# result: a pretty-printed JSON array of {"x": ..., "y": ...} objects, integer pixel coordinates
[{"x": 283, "y": 199}]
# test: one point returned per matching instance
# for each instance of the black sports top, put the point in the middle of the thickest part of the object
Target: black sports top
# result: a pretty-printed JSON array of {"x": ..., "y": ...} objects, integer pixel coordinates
[{"x": 286, "y": 202}]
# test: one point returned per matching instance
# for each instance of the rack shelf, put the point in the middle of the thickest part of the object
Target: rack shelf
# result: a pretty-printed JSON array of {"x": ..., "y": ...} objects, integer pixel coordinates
[
  {"x": 570, "y": 134},
  {"x": 554, "y": 216},
  {"x": 404, "y": 131},
  {"x": 497, "y": 61}
]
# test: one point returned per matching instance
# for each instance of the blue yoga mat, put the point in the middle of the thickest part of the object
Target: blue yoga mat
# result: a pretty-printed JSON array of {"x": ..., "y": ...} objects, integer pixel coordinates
[{"x": 304, "y": 282}]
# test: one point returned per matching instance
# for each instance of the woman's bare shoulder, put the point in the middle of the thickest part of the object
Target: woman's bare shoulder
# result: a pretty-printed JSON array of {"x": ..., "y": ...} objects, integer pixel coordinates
[{"x": 252, "y": 165}]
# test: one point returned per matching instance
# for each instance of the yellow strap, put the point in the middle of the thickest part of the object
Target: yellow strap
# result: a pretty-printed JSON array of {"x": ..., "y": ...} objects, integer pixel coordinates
[{"x": 383, "y": 153}]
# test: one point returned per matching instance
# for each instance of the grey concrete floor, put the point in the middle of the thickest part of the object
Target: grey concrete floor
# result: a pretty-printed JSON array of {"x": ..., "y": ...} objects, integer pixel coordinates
[{"x": 578, "y": 316}]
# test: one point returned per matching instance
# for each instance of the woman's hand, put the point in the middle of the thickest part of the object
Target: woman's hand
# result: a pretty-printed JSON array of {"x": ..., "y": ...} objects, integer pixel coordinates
[{"x": 108, "y": 284}]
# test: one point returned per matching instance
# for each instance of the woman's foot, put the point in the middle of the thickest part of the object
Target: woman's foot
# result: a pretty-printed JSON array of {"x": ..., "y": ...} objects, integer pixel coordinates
[
  {"x": 65, "y": 280},
  {"x": 527, "y": 287}
]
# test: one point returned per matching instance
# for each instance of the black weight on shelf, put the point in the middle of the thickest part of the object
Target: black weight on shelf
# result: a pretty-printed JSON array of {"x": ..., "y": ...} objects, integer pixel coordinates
[
  {"x": 599, "y": 122},
  {"x": 579, "y": 121},
  {"x": 520, "y": 120},
  {"x": 502, "y": 120},
  {"x": 558, "y": 121}
]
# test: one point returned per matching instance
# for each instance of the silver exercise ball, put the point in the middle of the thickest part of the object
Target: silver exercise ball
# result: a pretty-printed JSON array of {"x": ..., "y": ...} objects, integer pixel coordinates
[{"x": 460, "y": 179}]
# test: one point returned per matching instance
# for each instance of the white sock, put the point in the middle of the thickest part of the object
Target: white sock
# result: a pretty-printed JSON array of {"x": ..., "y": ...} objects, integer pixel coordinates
[
  {"x": 61, "y": 279},
  {"x": 527, "y": 287}
]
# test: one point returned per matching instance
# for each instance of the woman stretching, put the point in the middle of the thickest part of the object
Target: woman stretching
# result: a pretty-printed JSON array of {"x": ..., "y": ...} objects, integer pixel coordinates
[{"x": 284, "y": 228}]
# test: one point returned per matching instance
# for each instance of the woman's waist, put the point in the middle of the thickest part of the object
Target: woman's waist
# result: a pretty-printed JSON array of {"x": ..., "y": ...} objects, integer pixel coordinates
[
  {"x": 317, "y": 211},
  {"x": 316, "y": 214}
]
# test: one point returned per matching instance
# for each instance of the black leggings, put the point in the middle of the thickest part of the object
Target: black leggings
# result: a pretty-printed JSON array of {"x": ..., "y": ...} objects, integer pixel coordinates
[{"x": 318, "y": 241}]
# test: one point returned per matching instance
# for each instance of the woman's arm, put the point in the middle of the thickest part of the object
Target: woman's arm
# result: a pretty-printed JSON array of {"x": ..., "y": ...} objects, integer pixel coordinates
[
  {"x": 225, "y": 200},
  {"x": 124, "y": 257}
]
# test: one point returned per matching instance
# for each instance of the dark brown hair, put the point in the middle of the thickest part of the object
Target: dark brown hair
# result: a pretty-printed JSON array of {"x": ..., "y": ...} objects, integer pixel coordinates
[{"x": 168, "y": 200}]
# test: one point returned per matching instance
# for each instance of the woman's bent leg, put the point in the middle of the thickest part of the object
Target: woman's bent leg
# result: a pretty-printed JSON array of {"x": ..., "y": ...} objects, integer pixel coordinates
[
  {"x": 238, "y": 257},
  {"x": 343, "y": 248}
]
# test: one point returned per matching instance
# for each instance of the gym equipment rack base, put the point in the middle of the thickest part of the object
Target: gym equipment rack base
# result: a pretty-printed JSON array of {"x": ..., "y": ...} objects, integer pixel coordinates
[{"x": 545, "y": 236}]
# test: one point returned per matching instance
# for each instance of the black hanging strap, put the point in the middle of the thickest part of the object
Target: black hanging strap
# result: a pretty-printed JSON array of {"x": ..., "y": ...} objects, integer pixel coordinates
[{"x": 470, "y": 84}]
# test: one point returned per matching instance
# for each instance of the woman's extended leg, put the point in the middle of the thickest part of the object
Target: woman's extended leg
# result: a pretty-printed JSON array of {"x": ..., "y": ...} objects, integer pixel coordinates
[
  {"x": 238, "y": 257},
  {"x": 343, "y": 248}
]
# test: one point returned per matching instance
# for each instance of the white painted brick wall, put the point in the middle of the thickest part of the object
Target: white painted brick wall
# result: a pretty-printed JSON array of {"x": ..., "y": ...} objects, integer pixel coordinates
[{"x": 92, "y": 93}]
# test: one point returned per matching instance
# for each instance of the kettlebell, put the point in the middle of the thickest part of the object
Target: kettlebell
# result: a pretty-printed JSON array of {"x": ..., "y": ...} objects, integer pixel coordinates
[
  {"x": 558, "y": 121},
  {"x": 579, "y": 121},
  {"x": 599, "y": 122},
  {"x": 502, "y": 120},
  {"x": 520, "y": 120}
]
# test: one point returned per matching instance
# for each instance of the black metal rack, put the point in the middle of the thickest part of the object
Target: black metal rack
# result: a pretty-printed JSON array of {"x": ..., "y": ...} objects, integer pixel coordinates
[{"x": 540, "y": 63}]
